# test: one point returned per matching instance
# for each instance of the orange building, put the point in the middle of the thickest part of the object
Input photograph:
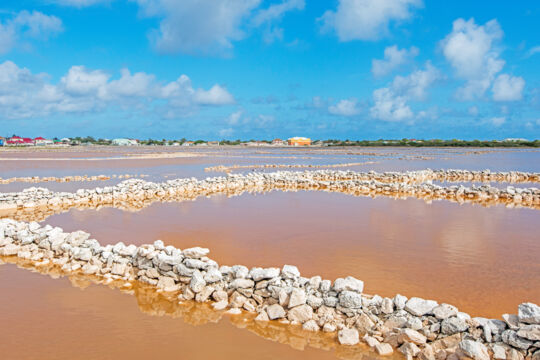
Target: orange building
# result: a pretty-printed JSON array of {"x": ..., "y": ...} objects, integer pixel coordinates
[{"x": 299, "y": 141}]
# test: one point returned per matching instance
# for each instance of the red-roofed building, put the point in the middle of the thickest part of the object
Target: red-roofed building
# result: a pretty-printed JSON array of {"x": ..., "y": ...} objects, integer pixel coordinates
[
  {"x": 19, "y": 141},
  {"x": 42, "y": 141}
]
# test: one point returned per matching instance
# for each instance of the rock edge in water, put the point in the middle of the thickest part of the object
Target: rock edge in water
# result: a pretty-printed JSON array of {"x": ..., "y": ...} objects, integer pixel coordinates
[{"x": 416, "y": 327}]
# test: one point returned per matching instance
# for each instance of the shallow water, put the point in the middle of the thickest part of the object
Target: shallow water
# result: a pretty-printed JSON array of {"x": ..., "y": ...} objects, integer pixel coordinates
[{"x": 483, "y": 260}]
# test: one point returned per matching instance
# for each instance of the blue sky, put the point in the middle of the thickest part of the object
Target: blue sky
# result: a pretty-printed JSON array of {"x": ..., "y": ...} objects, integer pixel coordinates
[{"x": 228, "y": 69}]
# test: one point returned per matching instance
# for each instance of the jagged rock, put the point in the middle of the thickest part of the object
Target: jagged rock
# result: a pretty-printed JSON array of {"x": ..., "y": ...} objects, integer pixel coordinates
[
  {"x": 220, "y": 295},
  {"x": 301, "y": 313},
  {"x": 474, "y": 349},
  {"x": 350, "y": 299},
  {"x": 511, "y": 320},
  {"x": 314, "y": 301},
  {"x": 384, "y": 349},
  {"x": 409, "y": 349},
  {"x": 242, "y": 284},
  {"x": 258, "y": 274},
  {"x": 499, "y": 352},
  {"x": 237, "y": 300},
  {"x": 290, "y": 272},
  {"x": 511, "y": 338},
  {"x": 444, "y": 311},
  {"x": 531, "y": 332},
  {"x": 387, "y": 306},
  {"x": 363, "y": 323},
  {"x": 328, "y": 327},
  {"x": 420, "y": 307},
  {"x": 263, "y": 316},
  {"x": 213, "y": 275},
  {"x": 400, "y": 301},
  {"x": 195, "y": 252},
  {"x": 370, "y": 341},
  {"x": 197, "y": 282},
  {"x": 349, "y": 284},
  {"x": 220, "y": 305},
  {"x": 9, "y": 250},
  {"x": 311, "y": 325},
  {"x": 413, "y": 336},
  {"x": 529, "y": 313},
  {"x": 275, "y": 311},
  {"x": 297, "y": 297},
  {"x": 166, "y": 283},
  {"x": 347, "y": 336},
  {"x": 453, "y": 325}
]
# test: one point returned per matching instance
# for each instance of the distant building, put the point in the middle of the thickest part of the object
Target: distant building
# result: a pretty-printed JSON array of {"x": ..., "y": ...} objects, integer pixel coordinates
[
  {"x": 514, "y": 140},
  {"x": 299, "y": 141},
  {"x": 125, "y": 142},
  {"x": 187, "y": 143},
  {"x": 2, "y": 140},
  {"x": 19, "y": 141},
  {"x": 40, "y": 141},
  {"x": 213, "y": 143},
  {"x": 279, "y": 142}
]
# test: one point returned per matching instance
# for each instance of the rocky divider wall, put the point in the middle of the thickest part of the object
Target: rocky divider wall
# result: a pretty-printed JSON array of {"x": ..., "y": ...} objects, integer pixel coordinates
[
  {"x": 416, "y": 327},
  {"x": 224, "y": 168},
  {"x": 72, "y": 178},
  {"x": 137, "y": 193}
]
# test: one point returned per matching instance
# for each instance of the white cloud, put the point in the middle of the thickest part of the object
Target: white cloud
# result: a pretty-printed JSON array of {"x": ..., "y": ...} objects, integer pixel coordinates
[
  {"x": 508, "y": 88},
  {"x": 345, "y": 108},
  {"x": 390, "y": 103},
  {"x": 217, "y": 95},
  {"x": 27, "y": 95},
  {"x": 415, "y": 85},
  {"x": 497, "y": 121},
  {"x": 366, "y": 19},
  {"x": 389, "y": 106},
  {"x": 197, "y": 26},
  {"x": 276, "y": 11},
  {"x": 25, "y": 26},
  {"x": 470, "y": 50},
  {"x": 226, "y": 132},
  {"x": 235, "y": 117},
  {"x": 393, "y": 58}
]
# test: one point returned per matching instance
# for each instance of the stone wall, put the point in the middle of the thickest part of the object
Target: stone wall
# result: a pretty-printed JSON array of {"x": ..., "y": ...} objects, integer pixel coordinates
[{"x": 416, "y": 327}]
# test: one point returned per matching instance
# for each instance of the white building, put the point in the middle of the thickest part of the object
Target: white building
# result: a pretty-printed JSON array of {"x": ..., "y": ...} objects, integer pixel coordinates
[{"x": 125, "y": 142}]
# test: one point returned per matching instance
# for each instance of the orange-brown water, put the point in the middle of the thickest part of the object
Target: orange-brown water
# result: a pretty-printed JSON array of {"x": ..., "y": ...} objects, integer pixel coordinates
[{"x": 483, "y": 260}]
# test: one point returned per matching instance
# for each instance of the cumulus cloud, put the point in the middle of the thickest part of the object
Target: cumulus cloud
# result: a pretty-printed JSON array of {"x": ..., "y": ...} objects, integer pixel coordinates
[
  {"x": 508, "y": 88},
  {"x": 197, "y": 26},
  {"x": 25, "y": 26},
  {"x": 393, "y": 59},
  {"x": 470, "y": 50},
  {"x": 366, "y": 19},
  {"x": 26, "y": 95},
  {"x": 269, "y": 16},
  {"x": 391, "y": 103},
  {"x": 534, "y": 50},
  {"x": 345, "y": 108}
]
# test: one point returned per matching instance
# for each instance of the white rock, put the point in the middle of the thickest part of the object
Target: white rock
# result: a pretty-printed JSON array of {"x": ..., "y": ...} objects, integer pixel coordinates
[
  {"x": 445, "y": 311},
  {"x": 197, "y": 282},
  {"x": 474, "y": 349},
  {"x": 311, "y": 325},
  {"x": 529, "y": 313},
  {"x": 290, "y": 272},
  {"x": 349, "y": 283},
  {"x": 259, "y": 274},
  {"x": 384, "y": 349},
  {"x": 297, "y": 297},
  {"x": 350, "y": 299},
  {"x": 531, "y": 332},
  {"x": 301, "y": 313},
  {"x": 212, "y": 275},
  {"x": 400, "y": 301},
  {"x": 348, "y": 336},
  {"x": 275, "y": 311},
  {"x": 420, "y": 307},
  {"x": 195, "y": 252}
]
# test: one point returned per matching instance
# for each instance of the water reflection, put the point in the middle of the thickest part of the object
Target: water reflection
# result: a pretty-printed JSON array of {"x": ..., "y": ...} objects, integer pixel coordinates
[{"x": 156, "y": 304}]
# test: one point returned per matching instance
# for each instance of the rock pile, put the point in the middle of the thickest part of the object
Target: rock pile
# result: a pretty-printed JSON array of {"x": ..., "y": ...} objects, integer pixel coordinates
[
  {"x": 137, "y": 193},
  {"x": 72, "y": 178},
  {"x": 416, "y": 327}
]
